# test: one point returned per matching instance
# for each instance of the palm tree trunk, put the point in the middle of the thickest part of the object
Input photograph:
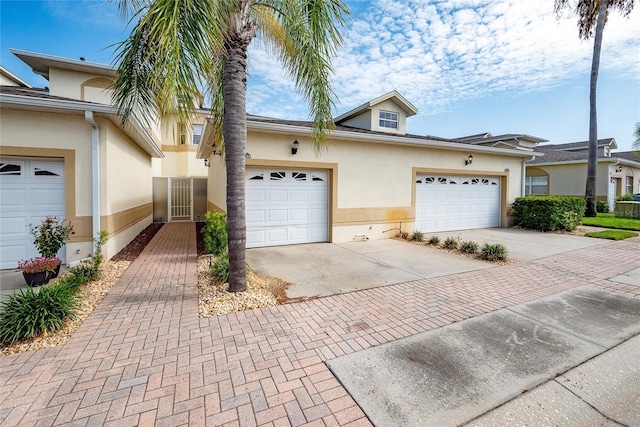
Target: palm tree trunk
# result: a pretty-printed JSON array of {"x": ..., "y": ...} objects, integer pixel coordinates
[
  {"x": 234, "y": 130},
  {"x": 592, "y": 166}
]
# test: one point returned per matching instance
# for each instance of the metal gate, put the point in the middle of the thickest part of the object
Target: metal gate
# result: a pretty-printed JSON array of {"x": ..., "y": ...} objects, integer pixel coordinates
[{"x": 180, "y": 201}]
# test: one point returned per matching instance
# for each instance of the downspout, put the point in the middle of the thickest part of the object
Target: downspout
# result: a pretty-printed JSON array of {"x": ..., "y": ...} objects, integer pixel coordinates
[{"x": 95, "y": 173}]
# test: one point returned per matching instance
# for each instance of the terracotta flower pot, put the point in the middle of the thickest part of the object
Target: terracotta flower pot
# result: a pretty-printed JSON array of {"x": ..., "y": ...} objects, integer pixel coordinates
[{"x": 37, "y": 279}]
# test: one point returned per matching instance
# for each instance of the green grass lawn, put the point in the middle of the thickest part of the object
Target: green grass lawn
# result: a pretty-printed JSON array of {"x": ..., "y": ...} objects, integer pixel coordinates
[
  {"x": 610, "y": 221},
  {"x": 612, "y": 234}
]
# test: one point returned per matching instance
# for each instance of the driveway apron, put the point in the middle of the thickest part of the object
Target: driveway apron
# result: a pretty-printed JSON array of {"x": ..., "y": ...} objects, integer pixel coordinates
[{"x": 143, "y": 357}]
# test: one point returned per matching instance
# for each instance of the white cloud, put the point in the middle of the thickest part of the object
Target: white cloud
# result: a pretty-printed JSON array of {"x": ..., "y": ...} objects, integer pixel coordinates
[{"x": 438, "y": 52}]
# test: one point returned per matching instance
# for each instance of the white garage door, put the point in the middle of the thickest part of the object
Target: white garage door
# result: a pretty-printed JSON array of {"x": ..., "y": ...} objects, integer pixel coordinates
[
  {"x": 30, "y": 190},
  {"x": 286, "y": 206},
  {"x": 446, "y": 203}
]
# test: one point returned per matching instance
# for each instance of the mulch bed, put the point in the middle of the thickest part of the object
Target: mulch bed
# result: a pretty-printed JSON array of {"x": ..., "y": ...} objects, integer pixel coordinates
[{"x": 137, "y": 245}]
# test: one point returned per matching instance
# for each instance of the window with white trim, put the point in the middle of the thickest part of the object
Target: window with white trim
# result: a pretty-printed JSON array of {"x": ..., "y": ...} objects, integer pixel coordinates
[
  {"x": 388, "y": 120},
  {"x": 629, "y": 188},
  {"x": 536, "y": 185},
  {"x": 197, "y": 134}
]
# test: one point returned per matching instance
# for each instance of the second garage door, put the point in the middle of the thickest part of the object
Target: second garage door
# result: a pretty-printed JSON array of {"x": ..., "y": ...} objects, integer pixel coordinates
[
  {"x": 286, "y": 206},
  {"x": 30, "y": 190},
  {"x": 447, "y": 203}
]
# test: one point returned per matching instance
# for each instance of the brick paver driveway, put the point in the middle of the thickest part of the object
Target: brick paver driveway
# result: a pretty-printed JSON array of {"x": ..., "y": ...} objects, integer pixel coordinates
[{"x": 144, "y": 357}]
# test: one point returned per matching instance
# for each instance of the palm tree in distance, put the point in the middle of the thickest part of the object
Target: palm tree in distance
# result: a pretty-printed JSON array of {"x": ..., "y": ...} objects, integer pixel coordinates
[
  {"x": 592, "y": 15},
  {"x": 178, "y": 47}
]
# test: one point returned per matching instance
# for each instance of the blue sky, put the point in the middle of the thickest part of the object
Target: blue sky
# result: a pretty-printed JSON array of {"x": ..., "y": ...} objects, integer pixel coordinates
[{"x": 469, "y": 66}]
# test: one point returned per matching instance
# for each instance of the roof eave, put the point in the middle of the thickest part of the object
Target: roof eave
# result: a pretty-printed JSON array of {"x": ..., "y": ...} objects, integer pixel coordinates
[{"x": 135, "y": 130}]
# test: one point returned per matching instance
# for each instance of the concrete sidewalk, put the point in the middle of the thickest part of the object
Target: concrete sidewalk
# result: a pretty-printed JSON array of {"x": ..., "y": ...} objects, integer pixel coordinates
[{"x": 144, "y": 357}]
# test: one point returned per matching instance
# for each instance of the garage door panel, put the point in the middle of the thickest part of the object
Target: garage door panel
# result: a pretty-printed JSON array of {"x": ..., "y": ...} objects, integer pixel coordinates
[
  {"x": 296, "y": 206},
  {"x": 277, "y": 215},
  {"x": 301, "y": 214},
  {"x": 255, "y": 196},
  {"x": 449, "y": 203},
  {"x": 14, "y": 198},
  {"x": 299, "y": 195},
  {"x": 275, "y": 196},
  {"x": 27, "y": 198}
]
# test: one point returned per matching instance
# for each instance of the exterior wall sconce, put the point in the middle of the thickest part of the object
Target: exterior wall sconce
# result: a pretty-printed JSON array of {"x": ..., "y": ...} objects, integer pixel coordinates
[
  {"x": 247, "y": 155},
  {"x": 469, "y": 160},
  {"x": 619, "y": 169},
  {"x": 294, "y": 147},
  {"x": 207, "y": 163}
]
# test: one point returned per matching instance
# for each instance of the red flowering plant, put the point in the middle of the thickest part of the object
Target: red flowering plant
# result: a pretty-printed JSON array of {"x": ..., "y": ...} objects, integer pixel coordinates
[{"x": 38, "y": 264}]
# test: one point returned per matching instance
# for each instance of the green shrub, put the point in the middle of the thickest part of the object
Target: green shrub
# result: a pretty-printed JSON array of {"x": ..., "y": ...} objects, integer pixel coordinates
[
  {"x": 469, "y": 247},
  {"x": 548, "y": 213},
  {"x": 450, "y": 243},
  {"x": 98, "y": 257},
  {"x": 84, "y": 272},
  {"x": 417, "y": 236},
  {"x": 625, "y": 198},
  {"x": 220, "y": 267},
  {"x": 570, "y": 221},
  {"x": 215, "y": 232},
  {"x": 493, "y": 252},
  {"x": 602, "y": 206},
  {"x": 434, "y": 240},
  {"x": 30, "y": 312}
]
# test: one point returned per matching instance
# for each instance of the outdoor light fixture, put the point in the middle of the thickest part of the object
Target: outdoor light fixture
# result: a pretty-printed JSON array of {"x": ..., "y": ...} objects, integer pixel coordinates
[
  {"x": 247, "y": 155},
  {"x": 294, "y": 147},
  {"x": 207, "y": 163},
  {"x": 469, "y": 160},
  {"x": 619, "y": 169}
]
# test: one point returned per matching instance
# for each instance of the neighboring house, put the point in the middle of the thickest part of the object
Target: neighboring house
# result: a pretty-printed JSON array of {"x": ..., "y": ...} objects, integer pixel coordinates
[
  {"x": 372, "y": 180},
  {"x": 563, "y": 171},
  {"x": 64, "y": 152}
]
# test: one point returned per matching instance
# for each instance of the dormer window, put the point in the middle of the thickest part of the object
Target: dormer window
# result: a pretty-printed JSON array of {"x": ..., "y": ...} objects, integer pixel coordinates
[
  {"x": 388, "y": 120},
  {"x": 607, "y": 152}
]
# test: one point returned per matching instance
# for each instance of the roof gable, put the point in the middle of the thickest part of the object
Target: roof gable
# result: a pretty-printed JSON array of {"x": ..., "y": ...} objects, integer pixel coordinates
[{"x": 393, "y": 96}]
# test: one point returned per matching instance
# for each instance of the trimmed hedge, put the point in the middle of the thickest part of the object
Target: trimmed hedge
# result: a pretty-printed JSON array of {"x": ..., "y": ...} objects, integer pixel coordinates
[
  {"x": 215, "y": 232},
  {"x": 549, "y": 213}
]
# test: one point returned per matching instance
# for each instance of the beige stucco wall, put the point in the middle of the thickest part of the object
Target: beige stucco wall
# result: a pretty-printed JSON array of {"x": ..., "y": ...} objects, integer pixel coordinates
[
  {"x": 371, "y": 185},
  {"x": 570, "y": 179},
  {"x": 125, "y": 208},
  {"x": 180, "y": 159}
]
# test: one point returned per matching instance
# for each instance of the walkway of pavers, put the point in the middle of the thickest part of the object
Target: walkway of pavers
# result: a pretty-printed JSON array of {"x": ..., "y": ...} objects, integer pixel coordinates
[{"x": 144, "y": 357}]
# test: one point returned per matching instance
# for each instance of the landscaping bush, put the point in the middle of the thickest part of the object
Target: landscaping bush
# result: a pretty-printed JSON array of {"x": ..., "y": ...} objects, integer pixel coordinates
[
  {"x": 450, "y": 243},
  {"x": 602, "y": 206},
  {"x": 83, "y": 272},
  {"x": 417, "y": 236},
  {"x": 625, "y": 198},
  {"x": 434, "y": 240},
  {"x": 220, "y": 267},
  {"x": 548, "y": 213},
  {"x": 215, "y": 232},
  {"x": 404, "y": 235},
  {"x": 493, "y": 252},
  {"x": 469, "y": 247},
  {"x": 28, "y": 312}
]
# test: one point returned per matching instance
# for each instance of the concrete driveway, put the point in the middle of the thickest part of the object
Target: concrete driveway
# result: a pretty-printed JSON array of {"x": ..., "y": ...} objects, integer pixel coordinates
[{"x": 323, "y": 269}]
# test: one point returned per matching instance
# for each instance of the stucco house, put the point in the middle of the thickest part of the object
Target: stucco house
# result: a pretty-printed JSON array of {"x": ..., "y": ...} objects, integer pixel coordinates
[
  {"x": 64, "y": 152},
  {"x": 373, "y": 179},
  {"x": 563, "y": 171}
]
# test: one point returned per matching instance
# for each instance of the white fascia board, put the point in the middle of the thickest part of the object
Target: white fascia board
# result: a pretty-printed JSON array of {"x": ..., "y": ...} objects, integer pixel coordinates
[
  {"x": 573, "y": 162},
  {"x": 138, "y": 133},
  {"x": 388, "y": 139}
]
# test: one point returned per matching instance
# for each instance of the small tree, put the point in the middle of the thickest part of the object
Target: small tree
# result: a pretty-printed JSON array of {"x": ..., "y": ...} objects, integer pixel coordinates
[{"x": 592, "y": 15}]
